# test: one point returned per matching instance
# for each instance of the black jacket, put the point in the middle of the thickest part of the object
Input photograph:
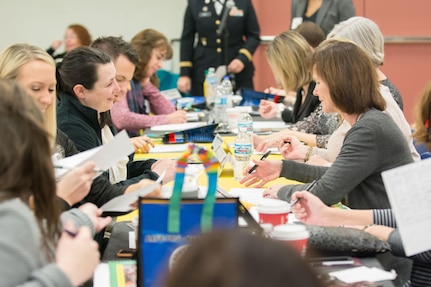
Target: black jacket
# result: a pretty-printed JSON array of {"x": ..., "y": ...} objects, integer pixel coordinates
[
  {"x": 81, "y": 124},
  {"x": 202, "y": 20}
]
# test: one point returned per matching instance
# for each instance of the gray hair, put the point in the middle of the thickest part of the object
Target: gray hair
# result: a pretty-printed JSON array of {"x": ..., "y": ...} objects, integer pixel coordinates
[{"x": 363, "y": 32}]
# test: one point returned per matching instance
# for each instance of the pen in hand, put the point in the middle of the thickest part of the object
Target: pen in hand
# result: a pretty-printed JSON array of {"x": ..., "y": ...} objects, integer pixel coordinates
[
  {"x": 309, "y": 187},
  {"x": 262, "y": 158}
]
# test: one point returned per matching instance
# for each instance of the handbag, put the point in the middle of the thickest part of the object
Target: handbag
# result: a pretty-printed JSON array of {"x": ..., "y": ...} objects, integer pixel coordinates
[
  {"x": 166, "y": 226},
  {"x": 343, "y": 241}
]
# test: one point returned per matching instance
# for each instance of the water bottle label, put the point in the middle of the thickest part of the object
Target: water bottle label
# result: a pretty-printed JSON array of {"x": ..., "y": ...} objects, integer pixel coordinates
[
  {"x": 242, "y": 148},
  {"x": 245, "y": 127}
]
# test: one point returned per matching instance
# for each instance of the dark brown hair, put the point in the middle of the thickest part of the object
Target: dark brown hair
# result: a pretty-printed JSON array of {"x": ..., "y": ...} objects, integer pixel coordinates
[
  {"x": 311, "y": 32},
  {"x": 26, "y": 170},
  {"x": 116, "y": 46},
  {"x": 144, "y": 42},
  {"x": 82, "y": 33},
  {"x": 240, "y": 259},
  {"x": 350, "y": 75}
]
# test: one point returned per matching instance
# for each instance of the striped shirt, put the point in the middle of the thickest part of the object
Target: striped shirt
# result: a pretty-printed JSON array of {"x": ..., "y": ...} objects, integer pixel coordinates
[{"x": 421, "y": 269}]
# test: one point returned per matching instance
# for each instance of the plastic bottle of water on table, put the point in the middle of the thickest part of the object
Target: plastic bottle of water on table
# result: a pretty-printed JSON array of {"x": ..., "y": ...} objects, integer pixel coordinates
[
  {"x": 220, "y": 112},
  {"x": 243, "y": 149},
  {"x": 210, "y": 87}
]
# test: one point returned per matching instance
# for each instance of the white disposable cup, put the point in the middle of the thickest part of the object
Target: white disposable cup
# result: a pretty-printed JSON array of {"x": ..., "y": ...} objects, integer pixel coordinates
[
  {"x": 296, "y": 235},
  {"x": 232, "y": 116},
  {"x": 273, "y": 211}
]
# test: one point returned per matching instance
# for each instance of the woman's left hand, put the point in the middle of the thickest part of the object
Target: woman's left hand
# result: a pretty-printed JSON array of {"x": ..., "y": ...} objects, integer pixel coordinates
[
  {"x": 266, "y": 171},
  {"x": 271, "y": 192}
]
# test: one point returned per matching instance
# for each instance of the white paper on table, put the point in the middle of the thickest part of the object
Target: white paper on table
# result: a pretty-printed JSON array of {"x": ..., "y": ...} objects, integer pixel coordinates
[
  {"x": 363, "y": 273},
  {"x": 171, "y": 94},
  {"x": 266, "y": 126},
  {"x": 122, "y": 203},
  {"x": 251, "y": 195},
  {"x": 169, "y": 148},
  {"x": 409, "y": 191},
  {"x": 273, "y": 150},
  {"x": 177, "y": 127},
  {"x": 103, "y": 156}
]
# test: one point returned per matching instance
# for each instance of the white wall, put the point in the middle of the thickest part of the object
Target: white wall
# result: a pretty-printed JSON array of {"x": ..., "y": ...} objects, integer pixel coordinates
[{"x": 39, "y": 22}]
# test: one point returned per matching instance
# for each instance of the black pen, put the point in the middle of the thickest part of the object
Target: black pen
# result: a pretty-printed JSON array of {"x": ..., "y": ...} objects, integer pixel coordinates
[
  {"x": 309, "y": 187},
  {"x": 262, "y": 158}
]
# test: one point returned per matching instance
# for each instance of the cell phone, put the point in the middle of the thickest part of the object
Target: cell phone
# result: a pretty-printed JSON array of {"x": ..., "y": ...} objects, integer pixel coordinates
[{"x": 126, "y": 253}]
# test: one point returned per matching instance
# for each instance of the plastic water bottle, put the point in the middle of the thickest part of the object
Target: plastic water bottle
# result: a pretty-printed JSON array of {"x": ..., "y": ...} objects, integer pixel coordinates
[
  {"x": 228, "y": 89},
  {"x": 210, "y": 87},
  {"x": 220, "y": 106},
  {"x": 243, "y": 148},
  {"x": 245, "y": 122}
]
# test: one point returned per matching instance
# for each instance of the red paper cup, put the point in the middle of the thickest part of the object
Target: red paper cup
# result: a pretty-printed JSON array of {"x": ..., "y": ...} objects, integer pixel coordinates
[
  {"x": 296, "y": 235},
  {"x": 273, "y": 211}
]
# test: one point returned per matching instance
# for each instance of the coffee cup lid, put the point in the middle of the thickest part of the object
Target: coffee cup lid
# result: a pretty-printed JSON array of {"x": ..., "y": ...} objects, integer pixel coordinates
[
  {"x": 273, "y": 206},
  {"x": 290, "y": 232}
]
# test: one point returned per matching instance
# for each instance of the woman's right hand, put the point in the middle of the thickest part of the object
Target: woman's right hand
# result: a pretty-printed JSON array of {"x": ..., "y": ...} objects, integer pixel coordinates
[
  {"x": 77, "y": 256},
  {"x": 177, "y": 117},
  {"x": 309, "y": 209},
  {"x": 291, "y": 148},
  {"x": 184, "y": 84}
]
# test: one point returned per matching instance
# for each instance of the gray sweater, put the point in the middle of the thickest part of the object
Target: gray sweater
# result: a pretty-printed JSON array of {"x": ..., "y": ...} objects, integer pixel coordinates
[
  {"x": 21, "y": 259},
  {"x": 373, "y": 144}
]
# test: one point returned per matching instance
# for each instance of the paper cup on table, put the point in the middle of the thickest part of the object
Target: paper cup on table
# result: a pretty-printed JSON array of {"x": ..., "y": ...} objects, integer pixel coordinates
[
  {"x": 296, "y": 235},
  {"x": 273, "y": 211},
  {"x": 232, "y": 116}
]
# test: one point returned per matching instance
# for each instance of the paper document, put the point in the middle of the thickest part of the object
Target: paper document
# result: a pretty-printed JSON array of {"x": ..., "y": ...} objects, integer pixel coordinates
[
  {"x": 103, "y": 156},
  {"x": 122, "y": 203},
  {"x": 169, "y": 148},
  {"x": 409, "y": 191},
  {"x": 363, "y": 273},
  {"x": 252, "y": 195},
  {"x": 177, "y": 127},
  {"x": 171, "y": 94}
]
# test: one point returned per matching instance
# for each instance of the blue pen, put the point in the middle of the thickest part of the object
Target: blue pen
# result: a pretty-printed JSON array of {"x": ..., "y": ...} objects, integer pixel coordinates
[{"x": 309, "y": 187}]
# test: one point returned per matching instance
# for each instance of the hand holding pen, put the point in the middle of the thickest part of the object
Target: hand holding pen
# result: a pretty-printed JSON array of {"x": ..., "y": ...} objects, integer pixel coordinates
[
  {"x": 266, "y": 171},
  {"x": 308, "y": 188},
  {"x": 262, "y": 158}
]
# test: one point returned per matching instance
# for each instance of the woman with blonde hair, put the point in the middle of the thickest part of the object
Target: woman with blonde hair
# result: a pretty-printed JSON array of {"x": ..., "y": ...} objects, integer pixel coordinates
[
  {"x": 287, "y": 55},
  {"x": 13, "y": 59}
]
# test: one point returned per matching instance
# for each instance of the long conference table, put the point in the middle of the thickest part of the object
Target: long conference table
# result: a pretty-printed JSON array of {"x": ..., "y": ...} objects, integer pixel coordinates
[{"x": 120, "y": 230}]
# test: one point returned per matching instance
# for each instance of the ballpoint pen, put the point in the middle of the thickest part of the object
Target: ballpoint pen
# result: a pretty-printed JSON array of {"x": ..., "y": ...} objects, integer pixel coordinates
[
  {"x": 309, "y": 187},
  {"x": 262, "y": 158}
]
